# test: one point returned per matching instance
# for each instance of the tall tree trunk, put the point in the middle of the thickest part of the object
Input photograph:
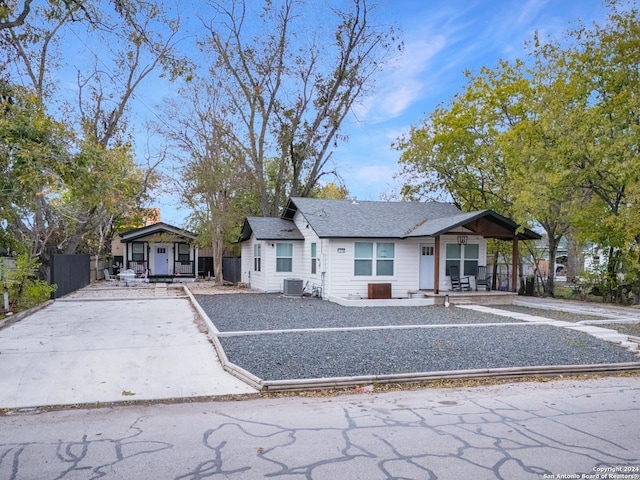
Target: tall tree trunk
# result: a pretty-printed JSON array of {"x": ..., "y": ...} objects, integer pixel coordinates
[{"x": 551, "y": 274}]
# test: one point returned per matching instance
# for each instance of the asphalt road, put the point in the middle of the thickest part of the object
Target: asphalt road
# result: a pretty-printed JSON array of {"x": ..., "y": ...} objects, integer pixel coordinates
[{"x": 513, "y": 432}]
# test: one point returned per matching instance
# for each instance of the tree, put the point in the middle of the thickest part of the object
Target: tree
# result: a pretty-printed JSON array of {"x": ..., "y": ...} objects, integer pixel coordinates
[
  {"x": 215, "y": 182},
  {"x": 287, "y": 98},
  {"x": 330, "y": 190},
  {"x": 553, "y": 139},
  {"x": 35, "y": 162},
  {"x": 81, "y": 213}
]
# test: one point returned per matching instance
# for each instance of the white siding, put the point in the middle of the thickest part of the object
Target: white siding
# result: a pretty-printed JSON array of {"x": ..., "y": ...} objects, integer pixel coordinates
[
  {"x": 255, "y": 280},
  {"x": 341, "y": 281},
  {"x": 275, "y": 280},
  {"x": 445, "y": 281},
  {"x": 335, "y": 268},
  {"x": 304, "y": 272}
]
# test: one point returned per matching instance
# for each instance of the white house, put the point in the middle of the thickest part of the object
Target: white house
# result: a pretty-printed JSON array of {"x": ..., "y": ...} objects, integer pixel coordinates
[
  {"x": 166, "y": 252},
  {"x": 343, "y": 246}
]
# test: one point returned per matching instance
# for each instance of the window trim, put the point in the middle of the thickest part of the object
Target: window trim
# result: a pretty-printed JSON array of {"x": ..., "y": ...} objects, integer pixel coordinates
[
  {"x": 134, "y": 253},
  {"x": 279, "y": 269},
  {"x": 462, "y": 258},
  {"x": 184, "y": 257},
  {"x": 257, "y": 257},
  {"x": 374, "y": 267},
  {"x": 314, "y": 258}
]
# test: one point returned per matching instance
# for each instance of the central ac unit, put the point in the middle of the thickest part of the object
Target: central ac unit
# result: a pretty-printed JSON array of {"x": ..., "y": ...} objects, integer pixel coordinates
[{"x": 292, "y": 286}]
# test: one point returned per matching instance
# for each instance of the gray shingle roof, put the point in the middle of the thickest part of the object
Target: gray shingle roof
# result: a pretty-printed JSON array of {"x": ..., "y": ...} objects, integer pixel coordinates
[
  {"x": 363, "y": 219},
  {"x": 367, "y": 219},
  {"x": 270, "y": 228}
]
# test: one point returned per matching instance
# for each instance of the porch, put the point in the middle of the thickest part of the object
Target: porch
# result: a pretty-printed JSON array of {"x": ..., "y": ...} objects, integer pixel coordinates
[{"x": 182, "y": 270}]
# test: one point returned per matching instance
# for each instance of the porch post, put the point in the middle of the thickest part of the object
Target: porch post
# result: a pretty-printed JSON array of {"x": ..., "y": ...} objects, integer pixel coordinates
[
  {"x": 436, "y": 266},
  {"x": 514, "y": 265}
]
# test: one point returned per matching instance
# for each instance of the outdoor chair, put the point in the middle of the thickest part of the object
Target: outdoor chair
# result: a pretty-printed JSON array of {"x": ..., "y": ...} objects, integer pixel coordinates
[
  {"x": 107, "y": 276},
  {"x": 457, "y": 282},
  {"x": 482, "y": 278}
]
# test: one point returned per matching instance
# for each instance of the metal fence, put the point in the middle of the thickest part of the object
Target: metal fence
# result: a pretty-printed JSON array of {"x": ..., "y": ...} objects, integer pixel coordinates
[
  {"x": 69, "y": 273},
  {"x": 231, "y": 269}
]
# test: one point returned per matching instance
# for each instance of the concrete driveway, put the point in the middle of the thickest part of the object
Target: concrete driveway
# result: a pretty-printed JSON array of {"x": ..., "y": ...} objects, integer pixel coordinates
[{"x": 109, "y": 345}]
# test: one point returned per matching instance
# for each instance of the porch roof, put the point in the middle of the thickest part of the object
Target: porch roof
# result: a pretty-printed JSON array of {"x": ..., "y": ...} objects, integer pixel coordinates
[{"x": 159, "y": 227}]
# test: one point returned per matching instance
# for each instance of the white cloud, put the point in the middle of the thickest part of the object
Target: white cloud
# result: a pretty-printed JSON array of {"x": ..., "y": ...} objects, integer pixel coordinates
[{"x": 401, "y": 83}]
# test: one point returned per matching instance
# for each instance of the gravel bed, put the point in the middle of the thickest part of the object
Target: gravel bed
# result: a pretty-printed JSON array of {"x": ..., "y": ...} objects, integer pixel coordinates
[
  {"x": 552, "y": 314},
  {"x": 336, "y": 354},
  {"x": 625, "y": 328},
  {"x": 250, "y": 312}
]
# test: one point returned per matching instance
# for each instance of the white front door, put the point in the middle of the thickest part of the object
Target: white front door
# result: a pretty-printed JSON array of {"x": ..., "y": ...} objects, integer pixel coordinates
[
  {"x": 161, "y": 260},
  {"x": 427, "y": 263}
]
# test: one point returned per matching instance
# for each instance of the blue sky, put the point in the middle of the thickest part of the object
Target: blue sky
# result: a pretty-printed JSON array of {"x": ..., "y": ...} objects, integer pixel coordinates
[{"x": 442, "y": 39}]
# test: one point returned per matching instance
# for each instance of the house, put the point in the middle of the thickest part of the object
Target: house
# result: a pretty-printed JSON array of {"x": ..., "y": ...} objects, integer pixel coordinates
[
  {"x": 168, "y": 253},
  {"x": 342, "y": 246}
]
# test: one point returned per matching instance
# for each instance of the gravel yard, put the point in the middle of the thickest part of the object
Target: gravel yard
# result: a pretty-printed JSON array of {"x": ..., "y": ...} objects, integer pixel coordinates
[
  {"x": 321, "y": 354},
  {"x": 252, "y": 312},
  {"x": 626, "y": 328},
  {"x": 338, "y": 354}
]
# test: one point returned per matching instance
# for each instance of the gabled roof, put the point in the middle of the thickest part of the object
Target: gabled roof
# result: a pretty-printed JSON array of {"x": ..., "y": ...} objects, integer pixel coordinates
[
  {"x": 159, "y": 227},
  {"x": 368, "y": 219},
  {"x": 270, "y": 228}
]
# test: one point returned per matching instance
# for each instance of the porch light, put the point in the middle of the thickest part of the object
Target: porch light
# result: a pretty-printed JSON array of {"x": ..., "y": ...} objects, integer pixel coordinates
[{"x": 462, "y": 239}]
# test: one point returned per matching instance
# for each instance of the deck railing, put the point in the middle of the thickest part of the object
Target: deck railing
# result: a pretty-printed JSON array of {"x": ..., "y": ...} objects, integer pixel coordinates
[
  {"x": 137, "y": 266},
  {"x": 184, "y": 267}
]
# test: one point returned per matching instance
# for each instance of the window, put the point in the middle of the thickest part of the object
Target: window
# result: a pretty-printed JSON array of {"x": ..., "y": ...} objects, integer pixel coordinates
[
  {"x": 257, "y": 258},
  {"x": 284, "y": 257},
  {"x": 385, "y": 253},
  {"x": 363, "y": 258},
  {"x": 313, "y": 258},
  {"x": 453, "y": 256},
  {"x": 183, "y": 252},
  {"x": 471, "y": 259},
  {"x": 464, "y": 256},
  {"x": 137, "y": 252}
]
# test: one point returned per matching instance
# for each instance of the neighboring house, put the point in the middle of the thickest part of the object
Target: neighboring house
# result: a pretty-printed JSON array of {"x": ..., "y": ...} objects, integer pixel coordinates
[
  {"x": 343, "y": 246},
  {"x": 165, "y": 251}
]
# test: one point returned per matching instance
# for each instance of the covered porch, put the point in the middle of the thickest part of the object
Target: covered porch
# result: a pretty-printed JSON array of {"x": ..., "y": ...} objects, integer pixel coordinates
[
  {"x": 457, "y": 275},
  {"x": 161, "y": 253}
]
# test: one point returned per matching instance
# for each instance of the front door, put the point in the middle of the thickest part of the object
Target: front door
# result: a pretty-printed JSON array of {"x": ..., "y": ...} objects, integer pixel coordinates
[
  {"x": 426, "y": 266},
  {"x": 161, "y": 260}
]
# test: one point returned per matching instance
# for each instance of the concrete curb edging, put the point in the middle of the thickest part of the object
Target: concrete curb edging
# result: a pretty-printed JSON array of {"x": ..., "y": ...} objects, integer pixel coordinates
[
  {"x": 231, "y": 368},
  {"x": 16, "y": 317},
  {"x": 510, "y": 372}
]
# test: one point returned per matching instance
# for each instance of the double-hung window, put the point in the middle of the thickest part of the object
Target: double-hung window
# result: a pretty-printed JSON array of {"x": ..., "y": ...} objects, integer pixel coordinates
[
  {"x": 257, "y": 257},
  {"x": 314, "y": 258},
  {"x": 284, "y": 257},
  {"x": 137, "y": 252},
  {"x": 465, "y": 257},
  {"x": 364, "y": 257},
  {"x": 184, "y": 254},
  {"x": 385, "y": 253}
]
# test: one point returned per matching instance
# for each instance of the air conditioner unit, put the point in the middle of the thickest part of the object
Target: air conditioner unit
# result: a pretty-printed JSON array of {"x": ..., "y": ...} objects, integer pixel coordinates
[{"x": 292, "y": 286}]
